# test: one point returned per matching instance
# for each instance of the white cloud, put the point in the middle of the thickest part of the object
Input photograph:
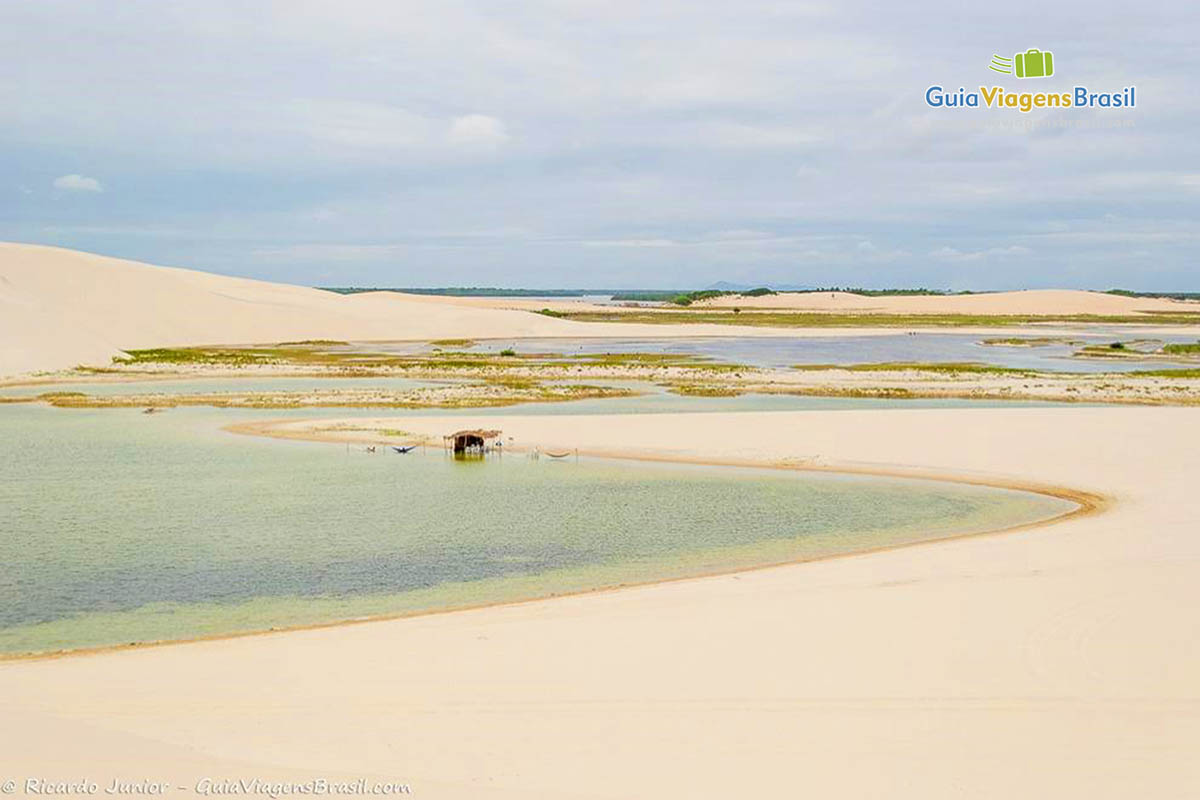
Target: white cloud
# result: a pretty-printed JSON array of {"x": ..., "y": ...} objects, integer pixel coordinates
[
  {"x": 953, "y": 254},
  {"x": 477, "y": 130},
  {"x": 692, "y": 144},
  {"x": 77, "y": 183},
  {"x": 631, "y": 243},
  {"x": 328, "y": 252}
]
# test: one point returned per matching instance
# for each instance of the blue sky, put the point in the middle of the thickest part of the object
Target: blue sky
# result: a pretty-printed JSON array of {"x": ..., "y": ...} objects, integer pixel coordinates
[{"x": 602, "y": 144}]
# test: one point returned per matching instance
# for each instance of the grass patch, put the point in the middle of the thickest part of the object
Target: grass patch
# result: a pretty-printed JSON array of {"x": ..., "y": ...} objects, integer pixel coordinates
[
  {"x": 453, "y": 342},
  {"x": 314, "y": 343},
  {"x": 704, "y": 390},
  {"x": 474, "y": 395},
  {"x": 950, "y": 367},
  {"x": 1182, "y": 349},
  {"x": 193, "y": 355},
  {"x": 1166, "y": 373},
  {"x": 345, "y": 363}
]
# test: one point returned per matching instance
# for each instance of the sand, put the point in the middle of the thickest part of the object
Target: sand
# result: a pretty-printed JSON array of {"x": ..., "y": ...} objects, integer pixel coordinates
[
  {"x": 1054, "y": 662},
  {"x": 60, "y": 308},
  {"x": 1030, "y": 301}
]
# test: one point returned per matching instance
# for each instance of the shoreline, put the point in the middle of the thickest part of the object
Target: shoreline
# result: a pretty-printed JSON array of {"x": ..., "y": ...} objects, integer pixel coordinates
[{"x": 1087, "y": 504}]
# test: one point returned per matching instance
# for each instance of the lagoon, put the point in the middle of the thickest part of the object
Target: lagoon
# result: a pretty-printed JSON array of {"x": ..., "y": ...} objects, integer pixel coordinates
[{"x": 121, "y": 528}]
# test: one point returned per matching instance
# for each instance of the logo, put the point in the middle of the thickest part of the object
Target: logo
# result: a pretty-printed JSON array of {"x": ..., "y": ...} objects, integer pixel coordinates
[{"x": 1033, "y": 63}]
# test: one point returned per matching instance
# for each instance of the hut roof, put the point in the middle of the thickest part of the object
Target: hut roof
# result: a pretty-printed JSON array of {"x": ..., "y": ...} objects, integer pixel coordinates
[{"x": 479, "y": 432}]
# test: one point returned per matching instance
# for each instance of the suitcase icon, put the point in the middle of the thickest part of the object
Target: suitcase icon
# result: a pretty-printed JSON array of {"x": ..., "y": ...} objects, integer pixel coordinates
[{"x": 1034, "y": 63}]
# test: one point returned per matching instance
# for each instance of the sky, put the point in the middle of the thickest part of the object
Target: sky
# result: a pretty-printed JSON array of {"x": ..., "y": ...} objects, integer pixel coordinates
[{"x": 611, "y": 144}]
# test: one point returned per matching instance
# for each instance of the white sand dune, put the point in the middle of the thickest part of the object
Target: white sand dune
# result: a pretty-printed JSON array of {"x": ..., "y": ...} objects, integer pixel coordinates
[
  {"x": 59, "y": 308},
  {"x": 1058, "y": 662},
  {"x": 1031, "y": 301}
]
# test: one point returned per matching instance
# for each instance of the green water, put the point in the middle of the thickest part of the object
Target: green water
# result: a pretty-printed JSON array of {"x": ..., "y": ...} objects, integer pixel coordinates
[{"x": 121, "y": 527}]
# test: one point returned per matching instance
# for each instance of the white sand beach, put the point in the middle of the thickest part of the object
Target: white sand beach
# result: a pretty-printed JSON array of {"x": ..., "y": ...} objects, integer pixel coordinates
[{"x": 1053, "y": 662}]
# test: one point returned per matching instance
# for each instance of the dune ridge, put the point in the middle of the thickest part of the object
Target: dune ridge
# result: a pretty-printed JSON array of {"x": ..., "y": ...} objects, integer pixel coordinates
[
  {"x": 1026, "y": 301},
  {"x": 60, "y": 308}
]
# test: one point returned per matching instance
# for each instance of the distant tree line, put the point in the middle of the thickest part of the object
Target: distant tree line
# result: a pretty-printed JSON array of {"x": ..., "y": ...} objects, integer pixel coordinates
[{"x": 1166, "y": 295}]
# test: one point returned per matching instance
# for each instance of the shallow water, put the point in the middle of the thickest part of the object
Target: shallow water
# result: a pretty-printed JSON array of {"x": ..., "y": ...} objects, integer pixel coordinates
[
  {"x": 249, "y": 383},
  {"x": 120, "y": 527},
  {"x": 783, "y": 351}
]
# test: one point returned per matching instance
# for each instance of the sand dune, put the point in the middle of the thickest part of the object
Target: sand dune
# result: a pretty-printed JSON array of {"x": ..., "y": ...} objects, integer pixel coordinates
[
  {"x": 1032, "y": 301},
  {"x": 59, "y": 308},
  {"x": 1052, "y": 663}
]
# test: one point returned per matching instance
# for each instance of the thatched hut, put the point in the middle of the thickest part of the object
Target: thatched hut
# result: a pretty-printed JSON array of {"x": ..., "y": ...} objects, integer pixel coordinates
[{"x": 472, "y": 440}]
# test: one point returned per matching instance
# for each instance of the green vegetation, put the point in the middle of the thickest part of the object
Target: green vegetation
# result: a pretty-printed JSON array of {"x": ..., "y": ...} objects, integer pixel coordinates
[
  {"x": 352, "y": 363},
  {"x": 453, "y": 342},
  {"x": 547, "y": 312},
  {"x": 1165, "y": 373},
  {"x": 1182, "y": 349},
  {"x": 313, "y": 343},
  {"x": 1132, "y": 348},
  {"x": 649, "y": 296},
  {"x": 194, "y": 355},
  {"x": 946, "y": 367},
  {"x": 704, "y": 390},
  {"x": 687, "y": 298},
  {"x": 691, "y": 297},
  {"x": 1164, "y": 295},
  {"x": 475, "y": 395}
]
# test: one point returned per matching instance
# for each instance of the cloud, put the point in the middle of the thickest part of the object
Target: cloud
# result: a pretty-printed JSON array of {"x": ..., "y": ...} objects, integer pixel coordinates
[
  {"x": 631, "y": 243},
  {"x": 77, "y": 183},
  {"x": 477, "y": 130},
  {"x": 947, "y": 253},
  {"x": 691, "y": 144}
]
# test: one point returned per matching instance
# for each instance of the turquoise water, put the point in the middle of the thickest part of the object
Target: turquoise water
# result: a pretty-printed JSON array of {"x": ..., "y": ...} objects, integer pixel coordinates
[{"x": 120, "y": 527}]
